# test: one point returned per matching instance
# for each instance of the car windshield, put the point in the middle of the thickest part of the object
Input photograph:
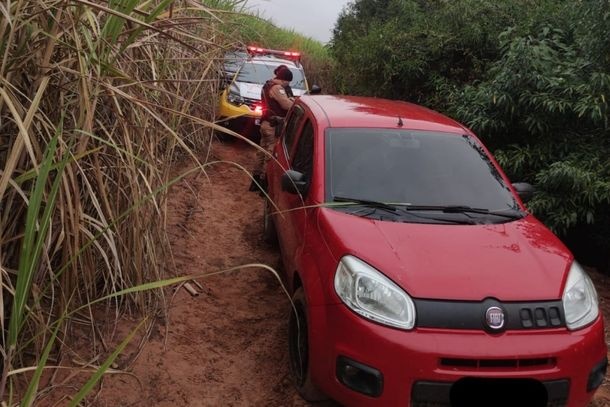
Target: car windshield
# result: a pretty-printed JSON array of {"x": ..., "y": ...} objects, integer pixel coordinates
[
  {"x": 233, "y": 61},
  {"x": 253, "y": 72},
  {"x": 426, "y": 170}
]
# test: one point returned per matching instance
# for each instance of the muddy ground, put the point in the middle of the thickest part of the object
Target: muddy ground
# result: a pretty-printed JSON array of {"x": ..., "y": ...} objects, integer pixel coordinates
[{"x": 227, "y": 345}]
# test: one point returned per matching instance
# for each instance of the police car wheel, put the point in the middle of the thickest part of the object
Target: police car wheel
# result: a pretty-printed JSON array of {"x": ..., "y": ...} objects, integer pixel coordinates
[{"x": 223, "y": 137}]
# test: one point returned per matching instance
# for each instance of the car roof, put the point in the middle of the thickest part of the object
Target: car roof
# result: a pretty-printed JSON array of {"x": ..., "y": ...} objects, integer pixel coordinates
[{"x": 356, "y": 111}]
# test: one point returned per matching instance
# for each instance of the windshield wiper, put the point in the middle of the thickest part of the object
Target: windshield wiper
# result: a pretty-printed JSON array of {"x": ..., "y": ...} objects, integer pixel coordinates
[
  {"x": 365, "y": 202},
  {"x": 514, "y": 214}
]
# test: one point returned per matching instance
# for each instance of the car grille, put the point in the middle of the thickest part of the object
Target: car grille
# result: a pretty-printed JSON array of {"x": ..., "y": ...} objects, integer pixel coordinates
[
  {"x": 470, "y": 314},
  {"x": 469, "y": 392},
  {"x": 251, "y": 103},
  {"x": 505, "y": 364},
  {"x": 540, "y": 317}
]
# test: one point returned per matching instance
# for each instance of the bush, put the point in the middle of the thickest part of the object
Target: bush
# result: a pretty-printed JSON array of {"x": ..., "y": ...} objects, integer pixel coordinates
[{"x": 544, "y": 108}]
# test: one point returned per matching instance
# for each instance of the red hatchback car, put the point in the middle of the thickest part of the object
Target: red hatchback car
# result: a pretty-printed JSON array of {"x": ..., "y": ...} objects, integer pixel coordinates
[{"x": 418, "y": 276}]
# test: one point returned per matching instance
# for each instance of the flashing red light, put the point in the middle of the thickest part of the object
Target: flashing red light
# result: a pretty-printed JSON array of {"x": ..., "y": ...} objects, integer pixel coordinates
[
  {"x": 258, "y": 50},
  {"x": 258, "y": 108}
]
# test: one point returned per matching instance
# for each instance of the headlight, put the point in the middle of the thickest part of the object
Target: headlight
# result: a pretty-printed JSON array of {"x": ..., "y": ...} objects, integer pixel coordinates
[
  {"x": 233, "y": 95},
  {"x": 579, "y": 299},
  {"x": 371, "y": 294}
]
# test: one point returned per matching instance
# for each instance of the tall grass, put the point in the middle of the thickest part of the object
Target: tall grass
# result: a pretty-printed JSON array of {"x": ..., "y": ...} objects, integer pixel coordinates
[{"x": 96, "y": 101}]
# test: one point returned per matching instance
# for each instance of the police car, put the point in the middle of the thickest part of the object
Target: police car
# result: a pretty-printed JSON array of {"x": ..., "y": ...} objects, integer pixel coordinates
[{"x": 240, "y": 107}]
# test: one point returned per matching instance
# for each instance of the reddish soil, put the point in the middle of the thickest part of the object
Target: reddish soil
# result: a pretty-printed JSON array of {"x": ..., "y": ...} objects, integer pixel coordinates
[{"x": 227, "y": 345}]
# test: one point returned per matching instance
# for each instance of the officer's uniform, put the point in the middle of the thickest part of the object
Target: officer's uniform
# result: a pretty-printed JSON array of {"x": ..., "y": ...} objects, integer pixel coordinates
[{"x": 277, "y": 99}]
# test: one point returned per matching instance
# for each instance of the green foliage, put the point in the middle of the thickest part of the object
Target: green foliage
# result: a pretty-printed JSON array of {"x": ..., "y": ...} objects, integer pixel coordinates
[
  {"x": 544, "y": 105},
  {"x": 403, "y": 48},
  {"x": 37, "y": 223},
  {"x": 538, "y": 88}
]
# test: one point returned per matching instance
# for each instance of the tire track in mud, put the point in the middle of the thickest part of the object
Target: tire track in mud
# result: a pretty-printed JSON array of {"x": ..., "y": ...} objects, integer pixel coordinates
[{"x": 226, "y": 346}]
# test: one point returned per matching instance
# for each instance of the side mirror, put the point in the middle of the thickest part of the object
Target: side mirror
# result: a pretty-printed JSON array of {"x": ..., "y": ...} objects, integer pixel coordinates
[
  {"x": 294, "y": 182},
  {"x": 525, "y": 190},
  {"x": 315, "y": 90}
]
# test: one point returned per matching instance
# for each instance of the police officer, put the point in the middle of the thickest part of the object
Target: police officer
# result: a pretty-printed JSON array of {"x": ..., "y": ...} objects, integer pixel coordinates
[{"x": 277, "y": 98}]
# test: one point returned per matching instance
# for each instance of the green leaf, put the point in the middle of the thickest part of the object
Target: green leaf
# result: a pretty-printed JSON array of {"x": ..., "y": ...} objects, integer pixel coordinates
[
  {"x": 86, "y": 389},
  {"x": 30, "y": 393},
  {"x": 36, "y": 226}
]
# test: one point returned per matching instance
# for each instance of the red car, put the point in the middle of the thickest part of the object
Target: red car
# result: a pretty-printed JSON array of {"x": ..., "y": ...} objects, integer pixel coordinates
[{"x": 418, "y": 276}]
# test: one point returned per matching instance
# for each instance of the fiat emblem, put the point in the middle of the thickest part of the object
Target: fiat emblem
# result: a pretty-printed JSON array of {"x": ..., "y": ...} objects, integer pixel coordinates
[{"x": 494, "y": 317}]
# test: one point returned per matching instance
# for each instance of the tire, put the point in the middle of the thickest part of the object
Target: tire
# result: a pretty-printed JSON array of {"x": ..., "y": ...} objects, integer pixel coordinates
[
  {"x": 298, "y": 350},
  {"x": 269, "y": 232},
  {"x": 255, "y": 135},
  {"x": 224, "y": 137}
]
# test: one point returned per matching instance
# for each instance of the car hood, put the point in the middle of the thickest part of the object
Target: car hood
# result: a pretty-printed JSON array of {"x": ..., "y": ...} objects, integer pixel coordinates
[
  {"x": 253, "y": 90},
  {"x": 515, "y": 261}
]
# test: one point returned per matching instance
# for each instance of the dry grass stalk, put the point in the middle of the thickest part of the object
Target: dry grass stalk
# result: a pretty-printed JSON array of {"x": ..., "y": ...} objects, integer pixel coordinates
[{"x": 124, "y": 88}]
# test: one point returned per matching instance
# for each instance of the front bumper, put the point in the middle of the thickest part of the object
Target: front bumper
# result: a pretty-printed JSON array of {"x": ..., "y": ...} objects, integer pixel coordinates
[
  {"x": 240, "y": 119},
  {"x": 409, "y": 360},
  {"x": 227, "y": 110}
]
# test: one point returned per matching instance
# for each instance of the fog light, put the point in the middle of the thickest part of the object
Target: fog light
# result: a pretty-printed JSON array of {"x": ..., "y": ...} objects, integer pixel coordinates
[
  {"x": 596, "y": 377},
  {"x": 359, "y": 377}
]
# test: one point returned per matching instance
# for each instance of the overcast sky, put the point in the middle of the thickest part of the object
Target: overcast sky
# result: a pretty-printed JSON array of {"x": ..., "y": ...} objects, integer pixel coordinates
[{"x": 312, "y": 18}]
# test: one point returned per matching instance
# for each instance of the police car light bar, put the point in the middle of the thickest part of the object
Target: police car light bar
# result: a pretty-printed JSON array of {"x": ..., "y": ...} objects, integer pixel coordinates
[{"x": 267, "y": 51}]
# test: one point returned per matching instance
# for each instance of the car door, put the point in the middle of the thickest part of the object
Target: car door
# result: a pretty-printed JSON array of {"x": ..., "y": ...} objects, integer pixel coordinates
[
  {"x": 294, "y": 221},
  {"x": 281, "y": 162}
]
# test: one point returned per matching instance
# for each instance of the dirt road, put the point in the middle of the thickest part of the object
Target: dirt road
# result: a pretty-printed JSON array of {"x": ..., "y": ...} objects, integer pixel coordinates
[{"x": 226, "y": 346}]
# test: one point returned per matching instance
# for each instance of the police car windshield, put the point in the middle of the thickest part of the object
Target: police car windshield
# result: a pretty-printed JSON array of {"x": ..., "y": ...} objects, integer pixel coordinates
[
  {"x": 252, "y": 72},
  {"x": 414, "y": 167}
]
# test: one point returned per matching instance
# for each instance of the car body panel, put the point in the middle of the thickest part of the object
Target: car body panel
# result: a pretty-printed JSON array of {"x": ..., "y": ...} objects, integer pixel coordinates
[
  {"x": 352, "y": 111},
  {"x": 229, "y": 110},
  {"x": 496, "y": 260},
  {"x": 408, "y": 357}
]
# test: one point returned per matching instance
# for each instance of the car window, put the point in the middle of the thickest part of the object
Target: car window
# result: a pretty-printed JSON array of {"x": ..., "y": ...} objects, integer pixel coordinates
[
  {"x": 259, "y": 73},
  {"x": 232, "y": 62},
  {"x": 292, "y": 125},
  {"x": 414, "y": 167},
  {"x": 303, "y": 156}
]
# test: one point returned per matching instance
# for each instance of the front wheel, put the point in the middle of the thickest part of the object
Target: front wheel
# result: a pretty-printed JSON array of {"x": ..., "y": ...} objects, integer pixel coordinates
[{"x": 298, "y": 349}]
